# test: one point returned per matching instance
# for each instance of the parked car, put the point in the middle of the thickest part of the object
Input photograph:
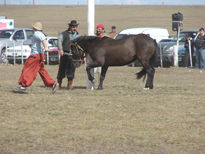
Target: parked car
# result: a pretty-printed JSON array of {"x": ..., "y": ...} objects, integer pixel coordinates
[
  {"x": 21, "y": 52},
  {"x": 11, "y": 37},
  {"x": 167, "y": 48},
  {"x": 156, "y": 33}
]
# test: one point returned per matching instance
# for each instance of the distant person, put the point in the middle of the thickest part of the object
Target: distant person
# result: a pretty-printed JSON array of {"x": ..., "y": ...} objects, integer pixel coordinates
[
  {"x": 35, "y": 62},
  {"x": 113, "y": 32},
  {"x": 188, "y": 42},
  {"x": 66, "y": 66},
  {"x": 100, "y": 32},
  {"x": 200, "y": 49}
]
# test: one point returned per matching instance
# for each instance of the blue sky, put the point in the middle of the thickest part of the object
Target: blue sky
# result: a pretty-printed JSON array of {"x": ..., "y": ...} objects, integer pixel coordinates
[{"x": 106, "y": 2}]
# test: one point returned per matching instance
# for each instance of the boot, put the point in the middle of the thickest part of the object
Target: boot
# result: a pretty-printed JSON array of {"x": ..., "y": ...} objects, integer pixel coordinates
[
  {"x": 70, "y": 83},
  {"x": 59, "y": 84}
]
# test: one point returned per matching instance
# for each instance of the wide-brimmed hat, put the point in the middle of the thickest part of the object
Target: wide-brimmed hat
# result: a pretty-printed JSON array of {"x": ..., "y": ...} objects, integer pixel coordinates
[
  {"x": 37, "y": 26},
  {"x": 73, "y": 23}
]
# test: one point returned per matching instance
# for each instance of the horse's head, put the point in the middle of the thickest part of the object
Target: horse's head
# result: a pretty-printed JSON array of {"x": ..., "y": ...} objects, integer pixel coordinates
[{"x": 78, "y": 53}]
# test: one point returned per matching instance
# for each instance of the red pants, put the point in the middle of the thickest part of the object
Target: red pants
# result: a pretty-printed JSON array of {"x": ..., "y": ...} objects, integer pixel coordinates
[{"x": 32, "y": 66}]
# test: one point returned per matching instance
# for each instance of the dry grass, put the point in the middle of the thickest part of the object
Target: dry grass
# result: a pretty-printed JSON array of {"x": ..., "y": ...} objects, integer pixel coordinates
[
  {"x": 55, "y": 18},
  {"x": 122, "y": 118}
]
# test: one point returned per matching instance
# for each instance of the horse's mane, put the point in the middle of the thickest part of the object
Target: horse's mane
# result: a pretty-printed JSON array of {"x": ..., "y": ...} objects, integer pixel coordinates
[{"x": 89, "y": 38}]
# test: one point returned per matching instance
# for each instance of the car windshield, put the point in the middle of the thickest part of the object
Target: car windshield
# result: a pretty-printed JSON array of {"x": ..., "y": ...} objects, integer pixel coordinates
[
  {"x": 6, "y": 33},
  {"x": 182, "y": 36},
  {"x": 120, "y": 36}
]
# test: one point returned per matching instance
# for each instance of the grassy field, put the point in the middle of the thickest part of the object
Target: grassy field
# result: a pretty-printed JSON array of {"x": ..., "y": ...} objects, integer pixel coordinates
[
  {"x": 122, "y": 118},
  {"x": 55, "y": 18}
]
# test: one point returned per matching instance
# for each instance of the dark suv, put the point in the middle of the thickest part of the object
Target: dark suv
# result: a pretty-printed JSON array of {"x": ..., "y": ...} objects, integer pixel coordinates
[{"x": 167, "y": 48}]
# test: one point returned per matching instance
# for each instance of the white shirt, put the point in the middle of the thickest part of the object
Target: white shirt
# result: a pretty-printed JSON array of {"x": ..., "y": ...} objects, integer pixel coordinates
[{"x": 37, "y": 45}]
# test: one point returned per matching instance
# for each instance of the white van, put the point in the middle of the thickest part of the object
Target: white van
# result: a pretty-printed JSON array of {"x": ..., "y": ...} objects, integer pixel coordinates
[{"x": 156, "y": 33}]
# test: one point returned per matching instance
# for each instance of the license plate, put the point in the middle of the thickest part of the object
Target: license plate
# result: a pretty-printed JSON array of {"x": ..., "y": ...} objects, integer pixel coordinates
[
  {"x": 13, "y": 54},
  {"x": 53, "y": 59}
]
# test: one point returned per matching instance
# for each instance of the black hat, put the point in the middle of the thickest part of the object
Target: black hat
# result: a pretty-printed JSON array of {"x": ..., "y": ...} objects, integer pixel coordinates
[{"x": 73, "y": 23}]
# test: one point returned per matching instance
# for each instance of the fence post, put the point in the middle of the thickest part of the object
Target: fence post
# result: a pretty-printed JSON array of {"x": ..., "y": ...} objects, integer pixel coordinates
[
  {"x": 6, "y": 53},
  {"x": 175, "y": 55},
  {"x": 176, "y": 62},
  {"x": 161, "y": 58},
  {"x": 22, "y": 53},
  {"x": 14, "y": 52},
  {"x": 47, "y": 58},
  {"x": 190, "y": 54}
]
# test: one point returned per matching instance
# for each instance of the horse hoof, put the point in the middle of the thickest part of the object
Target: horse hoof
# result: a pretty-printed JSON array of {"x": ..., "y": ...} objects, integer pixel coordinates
[
  {"x": 100, "y": 88},
  {"x": 147, "y": 88}
]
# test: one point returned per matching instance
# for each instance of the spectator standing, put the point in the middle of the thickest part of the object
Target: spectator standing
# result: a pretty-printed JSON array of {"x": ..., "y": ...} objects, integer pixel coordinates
[
  {"x": 113, "y": 32},
  {"x": 66, "y": 66},
  {"x": 35, "y": 62},
  {"x": 100, "y": 32},
  {"x": 200, "y": 49}
]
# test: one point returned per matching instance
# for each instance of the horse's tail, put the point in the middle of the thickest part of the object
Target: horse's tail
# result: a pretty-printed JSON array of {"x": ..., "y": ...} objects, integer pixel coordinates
[
  {"x": 154, "y": 56},
  {"x": 151, "y": 62}
]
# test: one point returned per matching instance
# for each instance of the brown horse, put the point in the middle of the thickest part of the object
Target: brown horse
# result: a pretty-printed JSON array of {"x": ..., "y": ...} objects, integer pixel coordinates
[{"x": 107, "y": 52}]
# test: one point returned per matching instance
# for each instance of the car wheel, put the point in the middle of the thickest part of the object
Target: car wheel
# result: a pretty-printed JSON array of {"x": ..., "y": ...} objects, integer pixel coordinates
[{"x": 3, "y": 56}]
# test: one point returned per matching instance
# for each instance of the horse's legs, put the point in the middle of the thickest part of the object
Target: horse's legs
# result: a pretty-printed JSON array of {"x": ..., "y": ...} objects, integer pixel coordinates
[
  {"x": 90, "y": 77},
  {"x": 150, "y": 76},
  {"x": 150, "y": 71},
  {"x": 102, "y": 77}
]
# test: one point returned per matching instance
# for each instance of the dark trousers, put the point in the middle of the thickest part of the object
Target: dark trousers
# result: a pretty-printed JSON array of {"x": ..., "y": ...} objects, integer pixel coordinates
[{"x": 66, "y": 68}]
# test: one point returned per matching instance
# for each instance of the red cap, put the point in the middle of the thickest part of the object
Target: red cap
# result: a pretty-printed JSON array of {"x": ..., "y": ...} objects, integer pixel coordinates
[{"x": 100, "y": 26}]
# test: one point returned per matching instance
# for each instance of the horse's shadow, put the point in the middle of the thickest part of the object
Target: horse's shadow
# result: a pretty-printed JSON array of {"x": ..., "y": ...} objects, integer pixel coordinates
[{"x": 65, "y": 88}]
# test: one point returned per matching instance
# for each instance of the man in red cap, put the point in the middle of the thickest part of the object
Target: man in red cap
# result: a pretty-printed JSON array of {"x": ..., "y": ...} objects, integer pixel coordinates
[{"x": 100, "y": 32}]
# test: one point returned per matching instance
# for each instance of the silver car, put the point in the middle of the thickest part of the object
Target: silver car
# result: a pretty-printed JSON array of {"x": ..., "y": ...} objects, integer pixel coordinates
[
  {"x": 20, "y": 53},
  {"x": 13, "y": 37}
]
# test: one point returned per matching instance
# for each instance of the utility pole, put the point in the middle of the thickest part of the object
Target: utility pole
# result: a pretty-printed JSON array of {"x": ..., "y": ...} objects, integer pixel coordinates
[
  {"x": 33, "y": 2},
  {"x": 4, "y": 2},
  {"x": 91, "y": 17}
]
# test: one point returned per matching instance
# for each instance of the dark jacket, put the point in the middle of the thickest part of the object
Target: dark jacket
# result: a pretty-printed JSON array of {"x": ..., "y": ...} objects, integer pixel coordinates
[
  {"x": 64, "y": 40},
  {"x": 200, "y": 42}
]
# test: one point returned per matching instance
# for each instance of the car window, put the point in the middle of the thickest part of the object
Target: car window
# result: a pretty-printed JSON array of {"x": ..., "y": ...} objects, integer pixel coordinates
[
  {"x": 19, "y": 35},
  {"x": 29, "y": 34},
  {"x": 53, "y": 42},
  {"x": 182, "y": 36},
  {"x": 6, "y": 33},
  {"x": 121, "y": 36}
]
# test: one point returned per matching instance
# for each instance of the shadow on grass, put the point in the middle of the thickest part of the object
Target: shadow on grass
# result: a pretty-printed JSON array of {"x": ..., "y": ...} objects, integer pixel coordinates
[
  {"x": 65, "y": 88},
  {"x": 19, "y": 92}
]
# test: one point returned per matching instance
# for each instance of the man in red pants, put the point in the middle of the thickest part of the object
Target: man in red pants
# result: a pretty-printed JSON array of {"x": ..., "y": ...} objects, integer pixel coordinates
[{"x": 35, "y": 62}]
